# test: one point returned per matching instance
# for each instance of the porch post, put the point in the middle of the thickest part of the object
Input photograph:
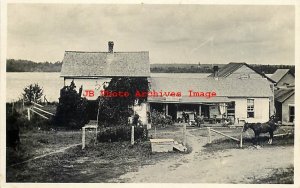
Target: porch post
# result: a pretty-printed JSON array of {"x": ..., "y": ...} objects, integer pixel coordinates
[
  {"x": 199, "y": 109},
  {"x": 167, "y": 109}
]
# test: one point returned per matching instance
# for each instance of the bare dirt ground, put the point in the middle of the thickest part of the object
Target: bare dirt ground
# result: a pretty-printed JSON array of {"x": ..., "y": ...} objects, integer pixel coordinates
[{"x": 227, "y": 166}]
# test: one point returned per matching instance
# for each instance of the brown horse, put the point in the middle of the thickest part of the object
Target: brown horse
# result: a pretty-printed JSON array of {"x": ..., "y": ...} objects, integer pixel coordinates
[{"x": 258, "y": 128}]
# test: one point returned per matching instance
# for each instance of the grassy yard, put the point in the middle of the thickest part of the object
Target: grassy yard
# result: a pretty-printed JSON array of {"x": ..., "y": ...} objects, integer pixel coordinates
[
  {"x": 97, "y": 163},
  {"x": 35, "y": 143}
]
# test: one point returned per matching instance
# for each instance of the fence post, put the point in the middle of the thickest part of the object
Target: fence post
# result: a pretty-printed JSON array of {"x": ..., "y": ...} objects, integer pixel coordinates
[
  {"x": 209, "y": 135},
  {"x": 241, "y": 139},
  {"x": 83, "y": 137},
  {"x": 184, "y": 134},
  {"x": 132, "y": 135},
  {"x": 96, "y": 133},
  {"x": 241, "y": 142},
  {"x": 28, "y": 113}
]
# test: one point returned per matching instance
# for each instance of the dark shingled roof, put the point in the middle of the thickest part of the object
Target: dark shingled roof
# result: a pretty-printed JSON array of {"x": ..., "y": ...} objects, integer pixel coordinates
[
  {"x": 231, "y": 67},
  {"x": 105, "y": 64},
  {"x": 229, "y": 87},
  {"x": 283, "y": 94},
  {"x": 278, "y": 74}
]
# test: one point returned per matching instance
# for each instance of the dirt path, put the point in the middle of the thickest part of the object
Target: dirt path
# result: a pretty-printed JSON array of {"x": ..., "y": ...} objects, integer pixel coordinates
[
  {"x": 231, "y": 166},
  {"x": 47, "y": 154}
]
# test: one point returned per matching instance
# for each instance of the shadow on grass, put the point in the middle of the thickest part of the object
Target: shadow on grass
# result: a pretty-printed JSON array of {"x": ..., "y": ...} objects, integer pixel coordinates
[
  {"x": 103, "y": 162},
  {"x": 279, "y": 176},
  {"x": 225, "y": 144}
]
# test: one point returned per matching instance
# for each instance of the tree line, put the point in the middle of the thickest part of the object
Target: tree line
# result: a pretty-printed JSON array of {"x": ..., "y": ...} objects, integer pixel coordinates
[
  {"x": 173, "y": 68},
  {"x": 13, "y": 65},
  {"x": 20, "y": 65}
]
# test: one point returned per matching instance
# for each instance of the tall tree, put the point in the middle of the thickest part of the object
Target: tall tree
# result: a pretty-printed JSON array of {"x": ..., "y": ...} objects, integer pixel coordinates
[
  {"x": 33, "y": 93},
  {"x": 118, "y": 109}
]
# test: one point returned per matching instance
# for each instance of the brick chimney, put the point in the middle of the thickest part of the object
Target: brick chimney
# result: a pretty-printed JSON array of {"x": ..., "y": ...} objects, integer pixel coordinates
[
  {"x": 216, "y": 72},
  {"x": 110, "y": 46}
]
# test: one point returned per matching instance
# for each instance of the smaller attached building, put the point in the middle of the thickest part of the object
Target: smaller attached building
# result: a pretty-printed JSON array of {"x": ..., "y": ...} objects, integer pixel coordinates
[
  {"x": 285, "y": 95},
  {"x": 285, "y": 105},
  {"x": 283, "y": 78}
]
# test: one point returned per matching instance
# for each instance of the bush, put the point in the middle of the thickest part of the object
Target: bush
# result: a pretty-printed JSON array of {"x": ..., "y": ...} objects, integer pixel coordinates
[
  {"x": 72, "y": 108},
  {"x": 20, "y": 121},
  {"x": 158, "y": 119},
  {"x": 33, "y": 93},
  {"x": 117, "y": 110},
  {"x": 122, "y": 133},
  {"x": 37, "y": 122},
  {"x": 12, "y": 129}
]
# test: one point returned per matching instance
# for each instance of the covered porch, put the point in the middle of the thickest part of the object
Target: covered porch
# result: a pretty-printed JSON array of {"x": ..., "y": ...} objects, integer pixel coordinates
[{"x": 213, "y": 112}]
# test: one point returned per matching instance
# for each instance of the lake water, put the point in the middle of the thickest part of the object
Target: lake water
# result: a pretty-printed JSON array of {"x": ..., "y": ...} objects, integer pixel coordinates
[
  {"x": 52, "y": 83},
  {"x": 16, "y": 82}
]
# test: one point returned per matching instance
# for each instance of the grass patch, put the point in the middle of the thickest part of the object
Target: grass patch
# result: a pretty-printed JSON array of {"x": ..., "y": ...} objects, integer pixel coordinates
[
  {"x": 100, "y": 163},
  {"x": 35, "y": 143},
  {"x": 103, "y": 162},
  {"x": 279, "y": 176},
  {"x": 175, "y": 133}
]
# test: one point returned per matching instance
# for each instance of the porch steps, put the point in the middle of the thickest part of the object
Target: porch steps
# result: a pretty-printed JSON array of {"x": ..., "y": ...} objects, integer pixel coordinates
[{"x": 179, "y": 147}]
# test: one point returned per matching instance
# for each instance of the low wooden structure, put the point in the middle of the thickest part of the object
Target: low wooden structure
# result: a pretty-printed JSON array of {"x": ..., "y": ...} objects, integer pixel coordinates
[
  {"x": 162, "y": 145},
  {"x": 166, "y": 145},
  {"x": 89, "y": 126}
]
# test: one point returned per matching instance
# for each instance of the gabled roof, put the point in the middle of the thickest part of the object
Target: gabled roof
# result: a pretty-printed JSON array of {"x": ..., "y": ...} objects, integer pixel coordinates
[
  {"x": 283, "y": 94},
  {"x": 232, "y": 67},
  {"x": 279, "y": 74},
  {"x": 224, "y": 88},
  {"x": 105, "y": 64},
  {"x": 229, "y": 69}
]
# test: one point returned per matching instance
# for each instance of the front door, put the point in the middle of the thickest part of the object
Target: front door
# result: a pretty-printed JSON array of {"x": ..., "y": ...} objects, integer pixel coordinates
[{"x": 291, "y": 113}]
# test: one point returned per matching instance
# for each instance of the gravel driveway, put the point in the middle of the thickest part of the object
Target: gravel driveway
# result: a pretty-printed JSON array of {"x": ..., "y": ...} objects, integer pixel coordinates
[{"x": 229, "y": 166}]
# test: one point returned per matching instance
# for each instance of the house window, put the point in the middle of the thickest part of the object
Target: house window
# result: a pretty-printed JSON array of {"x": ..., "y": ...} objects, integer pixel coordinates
[
  {"x": 250, "y": 108},
  {"x": 291, "y": 113}
]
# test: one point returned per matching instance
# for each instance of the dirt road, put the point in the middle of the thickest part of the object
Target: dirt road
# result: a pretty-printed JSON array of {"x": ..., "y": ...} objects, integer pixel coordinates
[{"x": 231, "y": 166}]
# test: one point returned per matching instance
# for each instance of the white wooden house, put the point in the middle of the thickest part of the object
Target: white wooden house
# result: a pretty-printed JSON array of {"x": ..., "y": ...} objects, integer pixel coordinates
[{"x": 93, "y": 70}]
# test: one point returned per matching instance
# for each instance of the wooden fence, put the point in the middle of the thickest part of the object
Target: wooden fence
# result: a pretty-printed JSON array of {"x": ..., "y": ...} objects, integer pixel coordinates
[
  {"x": 240, "y": 140},
  {"x": 37, "y": 109}
]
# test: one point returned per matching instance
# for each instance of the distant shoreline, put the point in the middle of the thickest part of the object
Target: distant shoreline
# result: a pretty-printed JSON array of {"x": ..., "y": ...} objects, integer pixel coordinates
[{"x": 13, "y": 65}]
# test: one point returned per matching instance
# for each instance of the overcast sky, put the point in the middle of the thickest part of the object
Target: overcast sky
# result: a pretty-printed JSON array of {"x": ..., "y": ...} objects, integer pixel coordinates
[{"x": 171, "y": 33}]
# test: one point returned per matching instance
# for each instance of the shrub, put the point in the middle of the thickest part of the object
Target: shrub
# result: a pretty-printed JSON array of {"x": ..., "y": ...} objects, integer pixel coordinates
[
  {"x": 122, "y": 133},
  {"x": 12, "y": 129},
  {"x": 33, "y": 93},
  {"x": 72, "y": 108},
  {"x": 117, "y": 110},
  {"x": 158, "y": 119}
]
